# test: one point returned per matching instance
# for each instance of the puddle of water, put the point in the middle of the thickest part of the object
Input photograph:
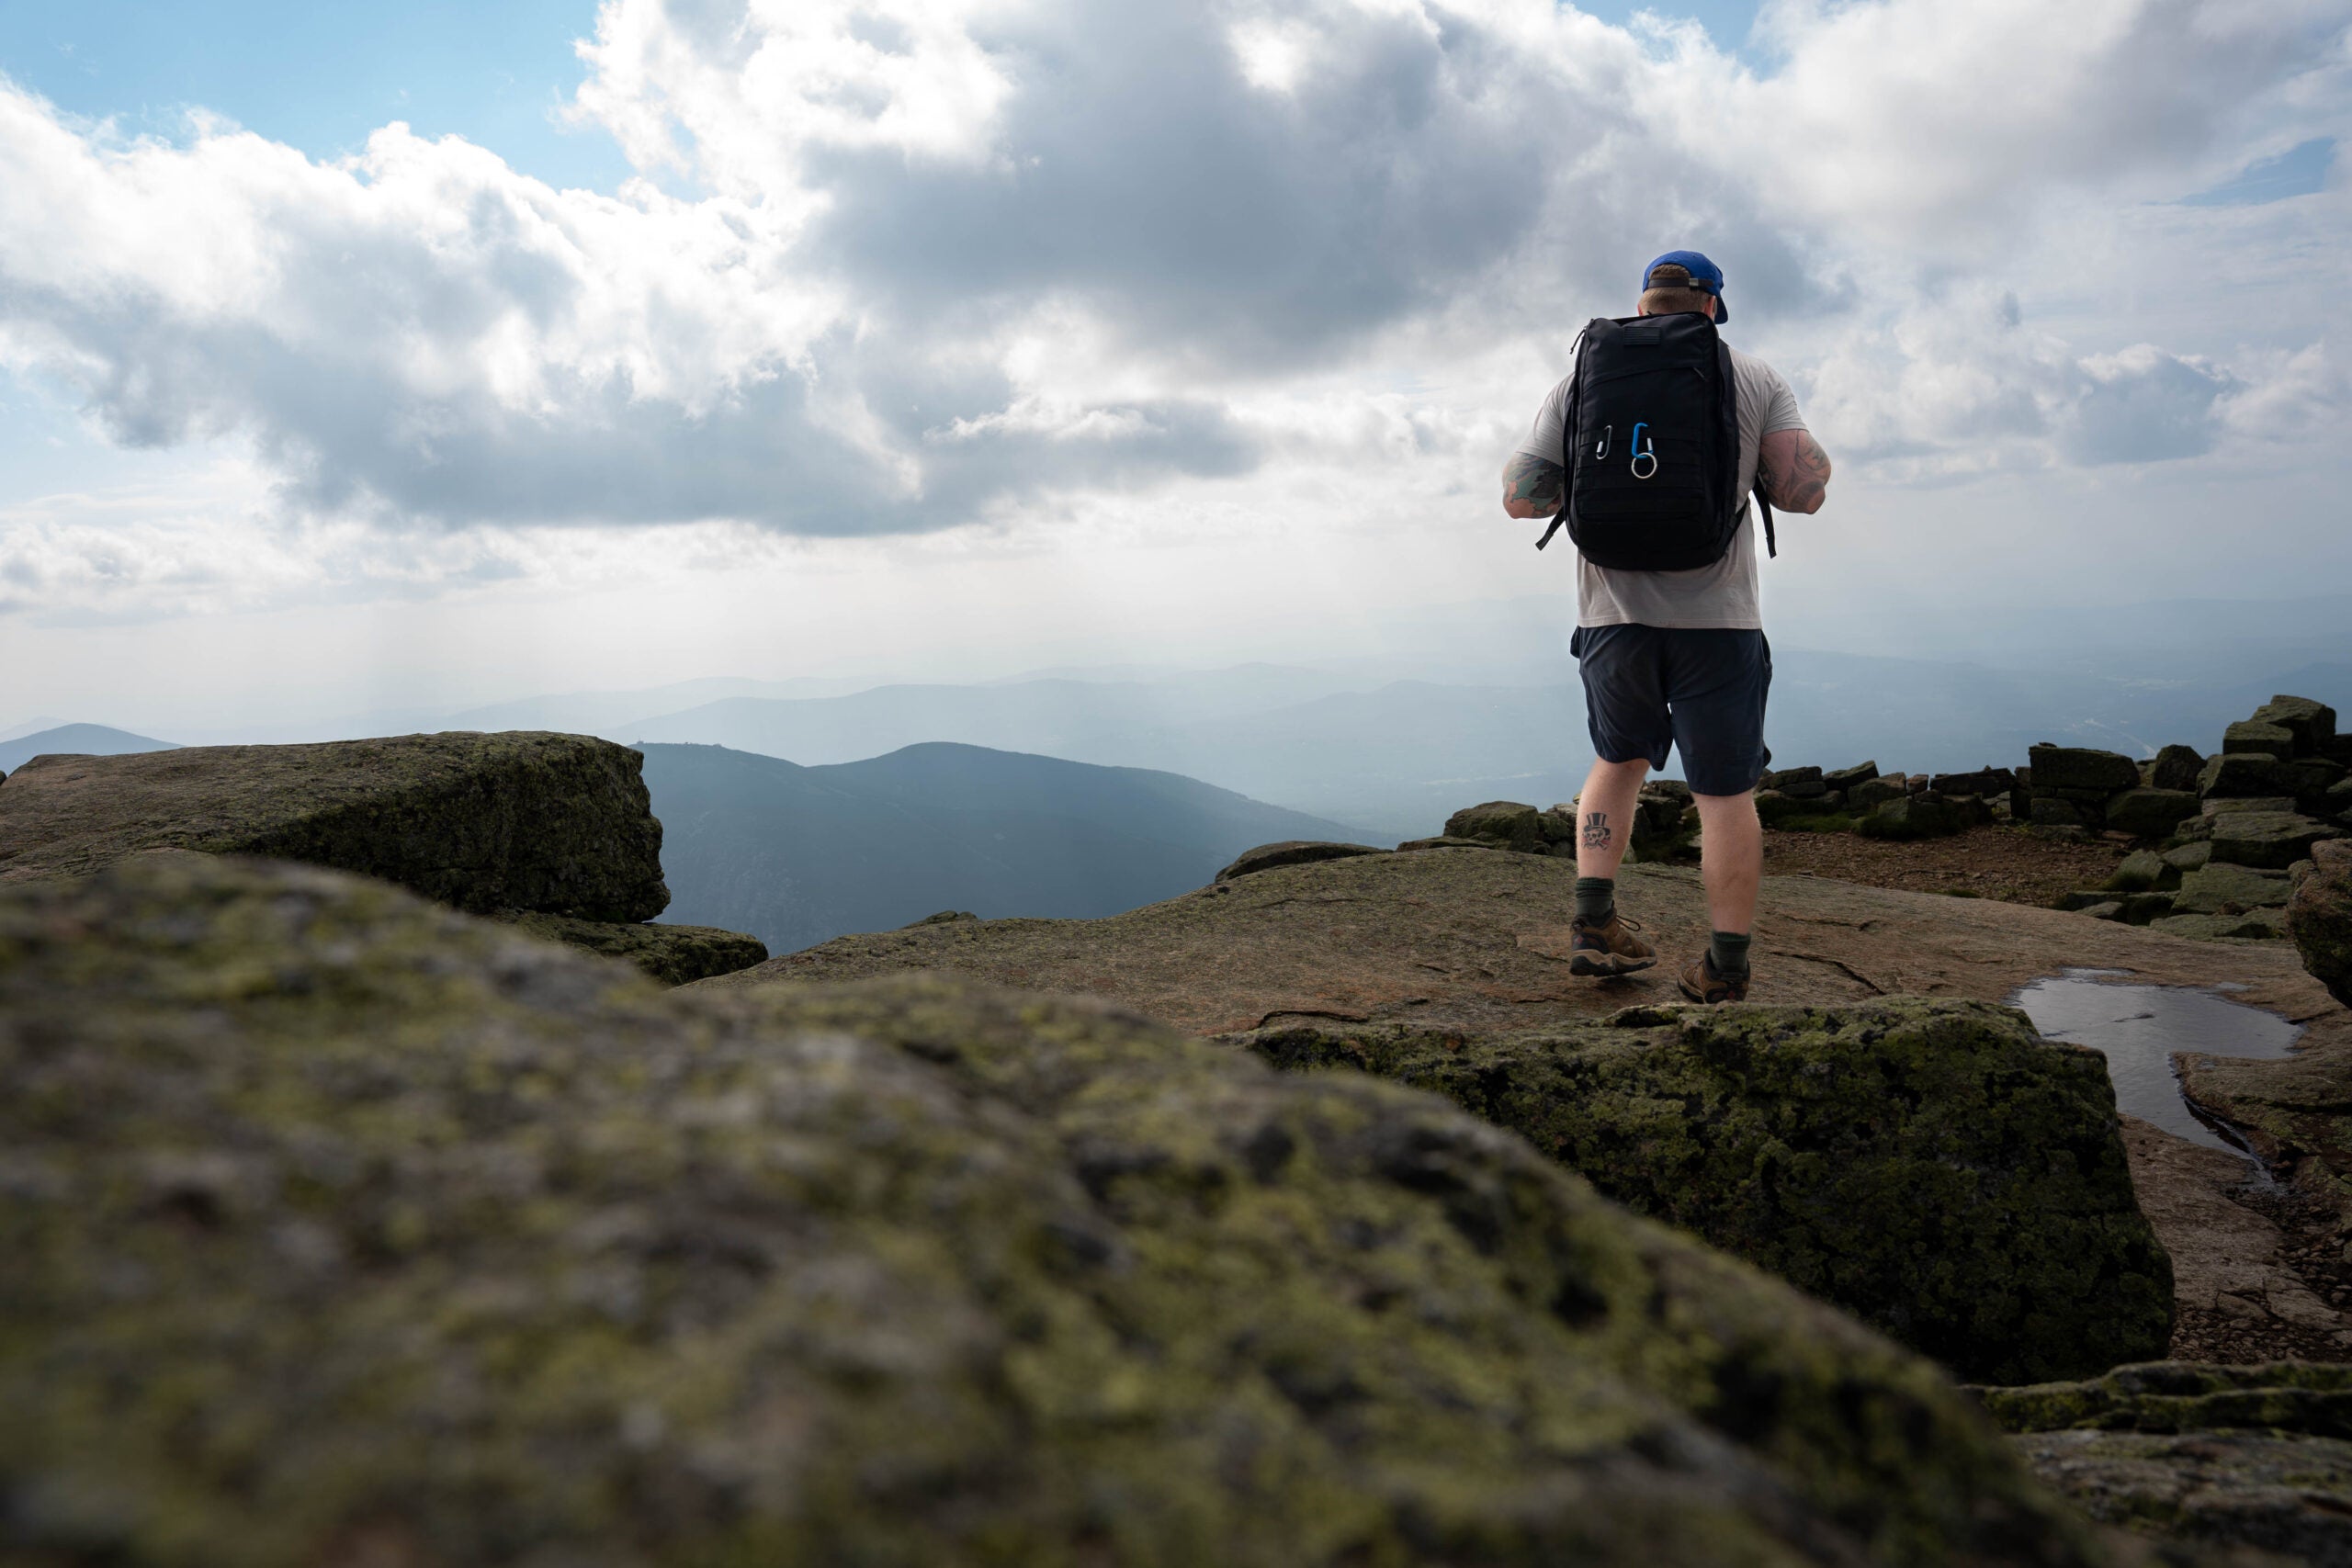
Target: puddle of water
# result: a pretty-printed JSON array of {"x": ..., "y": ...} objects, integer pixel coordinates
[{"x": 2137, "y": 1029}]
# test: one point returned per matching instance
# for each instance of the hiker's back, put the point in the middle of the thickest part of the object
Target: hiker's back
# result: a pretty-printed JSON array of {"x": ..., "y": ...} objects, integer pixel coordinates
[{"x": 1652, "y": 445}]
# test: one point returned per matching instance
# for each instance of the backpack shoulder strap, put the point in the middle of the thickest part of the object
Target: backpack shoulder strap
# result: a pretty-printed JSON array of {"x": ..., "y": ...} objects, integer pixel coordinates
[
  {"x": 1730, "y": 375},
  {"x": 1569, "y": 434}
]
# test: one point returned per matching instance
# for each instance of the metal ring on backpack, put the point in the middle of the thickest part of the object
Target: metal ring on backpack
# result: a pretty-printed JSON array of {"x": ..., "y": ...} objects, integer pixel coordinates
[{"x": 1641, "y": 452}]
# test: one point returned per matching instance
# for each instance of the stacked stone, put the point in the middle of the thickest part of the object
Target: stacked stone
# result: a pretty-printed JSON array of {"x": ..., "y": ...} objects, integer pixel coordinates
[
  {"x": 1663, "y": 823},
  {"x": 2275, "y": 790},
  {"x": 2075, "y": 786}
]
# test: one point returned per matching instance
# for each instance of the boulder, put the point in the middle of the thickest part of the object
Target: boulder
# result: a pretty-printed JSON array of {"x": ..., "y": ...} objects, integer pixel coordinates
[
  {"x": 2255, "y": 925},
  {"x": 1914, "y": 817},
  {"x": 2145, "y": 868},
  {"x": 2175, "y": 767},
  {"x": 559, "y": 824},
  {"x": 2220, "y": 887},
  {"x": 2312, "y": 724},
  {"x": 2224, "y": 1456},
  {"x": 1935, "y": 1167},
  {"x": 944, "y": 917},
  {"x": 2222, "y": 804},
  {"x": 1847, "y": 778},
  {"x": 2265, "y": 740},
  {"x": 2245, "y": 774},
  {"x": 2273, "y": 839},
  {"x": 1505, "y": 823},
  {"x": 1446, "y": 841},
  {"x": 675, "y": 955},
  {"x": 2049, "y": 811},
  {"x": 1798, "y": 783},
  {"x": 1983, "y": 781},
  {"x": 2058, "y": 770},
  {"x": 2188, "y": 857},
  {"x": 1290, "y": 851},
  {"x": 2339, "y": 798},
  {"x": 1871, "y": 793},
  {"x": 2315, "y": 778},
  {"x": 2150, "y": 813},
  {"x": 2319, "y": 918},
  {"x": 345, "y": 1229},
  {"x": 1772, "y": 807}
]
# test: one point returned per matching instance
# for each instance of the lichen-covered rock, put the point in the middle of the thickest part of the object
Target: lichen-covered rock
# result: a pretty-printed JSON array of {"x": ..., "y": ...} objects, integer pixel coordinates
[
  {"x": 2319, "y": 918},
  {"x": 1509, "y": 823},
  {"x": 2249, "y": 1456},
  {"x": 559, "y": 824},
  {"x": 2184, "y": 1397},
  {"x": 2175, "y": 767},
  {"x": 1290, "y": 851},
  {"x": 2272, "y": 840},
  {"x": 2061, "y": 770},
  {"x": 342, "y": 1229},
  {"x": 2219, "y": 887},
  {"x": 2150, "y": 813},
  {"x": 675, "y": 955},
  {"x": 1935, "y": 1167},
  {"x": 2246, "y": 774},
  {"x": 2312, "y": 724}
]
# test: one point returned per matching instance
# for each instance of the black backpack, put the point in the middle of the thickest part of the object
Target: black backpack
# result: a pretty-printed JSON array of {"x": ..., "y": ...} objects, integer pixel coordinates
[{"x": 1653, "y": 446}]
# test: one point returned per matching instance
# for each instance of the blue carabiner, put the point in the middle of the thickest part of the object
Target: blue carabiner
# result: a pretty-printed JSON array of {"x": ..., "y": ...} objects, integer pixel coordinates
[{"x": 1640, "y": 451}]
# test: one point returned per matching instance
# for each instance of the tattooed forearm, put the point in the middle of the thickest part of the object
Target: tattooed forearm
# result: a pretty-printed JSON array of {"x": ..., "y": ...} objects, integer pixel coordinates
[
  {"x": 1530, "y": 484},
  {"x": 1596, "y": 830},
  {"x": 1795, "y": 470}
]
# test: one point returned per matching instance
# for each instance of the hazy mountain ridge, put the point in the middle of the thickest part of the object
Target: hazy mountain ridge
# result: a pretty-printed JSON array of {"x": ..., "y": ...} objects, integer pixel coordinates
[
  {"x": 76, "y": 740},
  {"x": 796, "y": 855}
]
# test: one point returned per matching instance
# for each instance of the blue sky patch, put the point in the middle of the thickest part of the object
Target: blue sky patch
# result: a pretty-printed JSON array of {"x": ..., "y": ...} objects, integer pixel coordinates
[{"x": 2299, "y": 171}]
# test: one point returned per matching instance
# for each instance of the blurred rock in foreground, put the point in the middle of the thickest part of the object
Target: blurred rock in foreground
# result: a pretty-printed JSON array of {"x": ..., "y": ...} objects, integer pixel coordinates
[{"x": 343, "y": 1228}]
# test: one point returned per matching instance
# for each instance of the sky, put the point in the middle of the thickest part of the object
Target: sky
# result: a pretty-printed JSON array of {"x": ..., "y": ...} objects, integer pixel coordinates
[{"x": 358, "y": 356}]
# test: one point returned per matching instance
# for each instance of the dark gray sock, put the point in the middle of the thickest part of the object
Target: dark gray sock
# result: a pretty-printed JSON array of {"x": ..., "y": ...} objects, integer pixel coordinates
[
  {"x": 1596, "y": 898},
  {"x": 1728, "y": 954}
]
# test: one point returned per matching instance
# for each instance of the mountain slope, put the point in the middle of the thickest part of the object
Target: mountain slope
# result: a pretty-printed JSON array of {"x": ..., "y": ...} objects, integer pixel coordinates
[
  {"x": 796, "y": 855},
  {"x": 76, "y": 740}
]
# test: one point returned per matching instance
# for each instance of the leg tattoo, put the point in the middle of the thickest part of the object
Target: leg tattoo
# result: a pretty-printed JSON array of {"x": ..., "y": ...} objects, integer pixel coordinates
[{"x": 1596, "y": 830}]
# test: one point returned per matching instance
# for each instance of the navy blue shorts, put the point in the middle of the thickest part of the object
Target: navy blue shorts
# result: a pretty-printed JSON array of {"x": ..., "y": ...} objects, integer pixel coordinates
[{"x": 1649, "y": 689}]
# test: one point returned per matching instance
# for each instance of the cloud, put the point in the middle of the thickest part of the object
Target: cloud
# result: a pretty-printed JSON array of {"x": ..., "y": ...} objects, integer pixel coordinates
[{"x": 899, "y": 265}]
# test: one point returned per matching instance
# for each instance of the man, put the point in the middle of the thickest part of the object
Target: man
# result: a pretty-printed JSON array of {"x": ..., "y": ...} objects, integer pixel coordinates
[{"x": 1677, "y": 660}]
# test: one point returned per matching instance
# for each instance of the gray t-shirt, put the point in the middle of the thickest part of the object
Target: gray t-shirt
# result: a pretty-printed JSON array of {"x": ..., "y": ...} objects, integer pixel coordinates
[{"x": 1724, "y": 594}]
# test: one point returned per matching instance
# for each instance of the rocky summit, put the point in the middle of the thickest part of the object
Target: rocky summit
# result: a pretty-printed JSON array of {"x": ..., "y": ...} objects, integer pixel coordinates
[
  {"x": 345, "y": 1229},
  {"x": 1935, "y": 1167}
]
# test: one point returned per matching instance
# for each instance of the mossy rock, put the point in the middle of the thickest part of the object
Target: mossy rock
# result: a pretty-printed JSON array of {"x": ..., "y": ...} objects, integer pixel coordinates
[
  {"x": 1935, "y": 1167},
  {"x": 2184, "y": 1397},
  {"x": 675, "y": 955},
  {"x": 560, "y": 824},
  {"x": 343, "y": 1228}
]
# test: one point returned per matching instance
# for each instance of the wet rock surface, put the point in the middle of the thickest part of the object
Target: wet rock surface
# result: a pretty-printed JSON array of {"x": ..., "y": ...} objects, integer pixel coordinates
[
  {"x": 672, "y": 954},
  {"x": 1934, "y": 1168},
  {"x": 559, "y": 824},
  {"x": 346, "y": 1229}
]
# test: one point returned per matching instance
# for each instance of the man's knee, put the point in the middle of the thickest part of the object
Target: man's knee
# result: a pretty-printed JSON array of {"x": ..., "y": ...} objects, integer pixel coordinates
[{"x": 1633, "y": 769}]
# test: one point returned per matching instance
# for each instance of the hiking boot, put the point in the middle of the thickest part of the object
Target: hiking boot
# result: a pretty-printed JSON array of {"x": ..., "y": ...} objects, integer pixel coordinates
[
  {"x": 1700, "y": 982},
  {"x": 1608, "y": 948}
]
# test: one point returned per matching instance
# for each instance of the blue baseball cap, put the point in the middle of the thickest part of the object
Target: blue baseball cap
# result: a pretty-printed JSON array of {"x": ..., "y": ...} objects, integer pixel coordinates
[{"x": 1705, "y": 276}]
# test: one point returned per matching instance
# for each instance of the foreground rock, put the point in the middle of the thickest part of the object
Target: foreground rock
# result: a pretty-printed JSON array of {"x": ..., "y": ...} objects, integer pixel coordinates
[
  {"x": 558, "y": 824},
  {"x": 675, "y": 955},
  {"x": 345, "y": 1229},
  {"x": 1934, "y": 1168},
  {"x": 2319, "y": 917},
  {"x": 2249, "y": 1456}
]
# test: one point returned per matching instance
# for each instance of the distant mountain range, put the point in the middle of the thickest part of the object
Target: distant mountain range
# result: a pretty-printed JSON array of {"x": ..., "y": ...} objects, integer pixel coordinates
[
  {"x": 796, "y": 855},
  {"x": 82, "y": 739}
]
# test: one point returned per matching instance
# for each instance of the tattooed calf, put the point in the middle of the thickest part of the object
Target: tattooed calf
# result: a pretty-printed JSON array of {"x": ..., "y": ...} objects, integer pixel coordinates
[{"x": 1596, "y": 830}]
